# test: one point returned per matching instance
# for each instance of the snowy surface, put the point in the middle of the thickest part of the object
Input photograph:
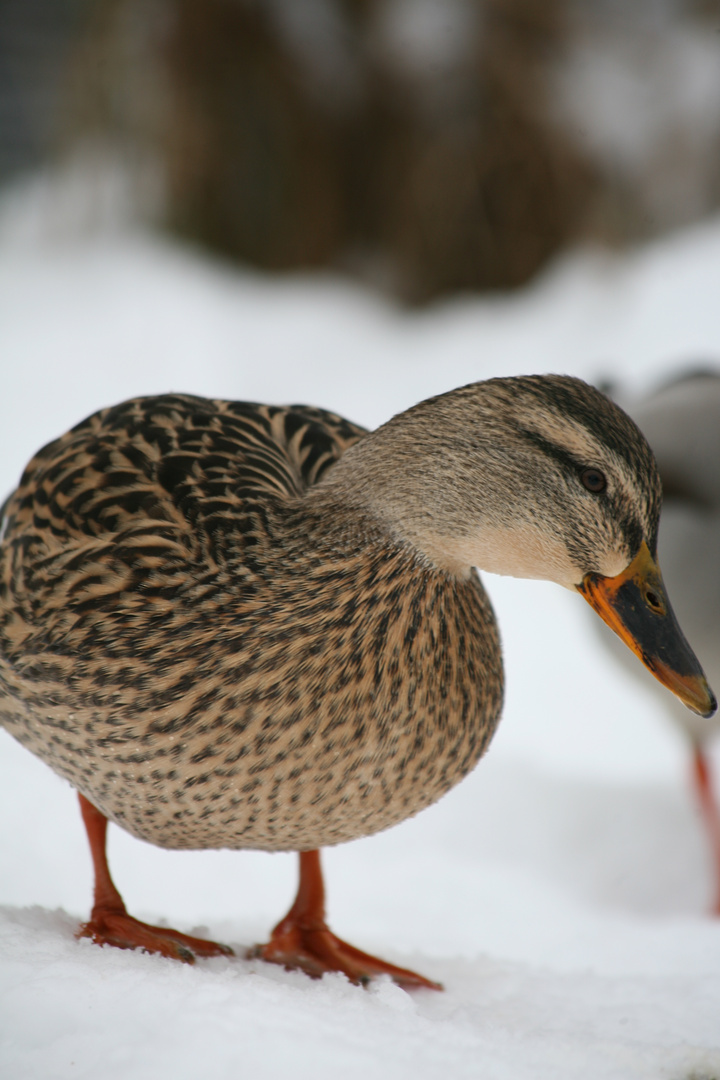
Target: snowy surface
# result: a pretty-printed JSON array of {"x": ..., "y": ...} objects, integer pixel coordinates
[{"x": 560, "y": 893}]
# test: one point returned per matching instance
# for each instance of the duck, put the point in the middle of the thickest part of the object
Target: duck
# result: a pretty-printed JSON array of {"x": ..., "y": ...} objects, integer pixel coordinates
[
  {"x": 681, "y": 420},
  {"x": 248, "y": 626}
]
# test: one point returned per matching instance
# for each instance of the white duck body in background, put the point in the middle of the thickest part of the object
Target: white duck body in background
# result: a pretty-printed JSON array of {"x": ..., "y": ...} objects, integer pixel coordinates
[{"x": 681, "y": 421}]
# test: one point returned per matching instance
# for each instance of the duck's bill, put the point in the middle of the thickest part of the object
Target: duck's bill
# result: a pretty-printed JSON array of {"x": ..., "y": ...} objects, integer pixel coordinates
[{"x": 635, "y": 605}]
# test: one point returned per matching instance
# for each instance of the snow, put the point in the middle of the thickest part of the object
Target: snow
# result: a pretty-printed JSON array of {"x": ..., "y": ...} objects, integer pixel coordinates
[{"x": 560, "y": 893}]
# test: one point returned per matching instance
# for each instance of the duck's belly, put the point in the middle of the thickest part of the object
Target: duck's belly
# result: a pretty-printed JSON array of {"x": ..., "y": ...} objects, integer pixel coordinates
[
  {"x": 319, "y": 780},
  {"x": 273, "y": 740}
]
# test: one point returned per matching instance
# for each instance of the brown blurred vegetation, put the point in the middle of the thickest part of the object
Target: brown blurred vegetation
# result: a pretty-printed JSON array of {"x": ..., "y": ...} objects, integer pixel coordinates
[
  {"x": 307, "y": 133},
  {"x": 466, "y": 190}
]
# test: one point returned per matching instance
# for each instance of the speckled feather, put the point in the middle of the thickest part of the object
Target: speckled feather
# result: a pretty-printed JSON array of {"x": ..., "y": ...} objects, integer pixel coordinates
[{"x": 214, "y": 663}]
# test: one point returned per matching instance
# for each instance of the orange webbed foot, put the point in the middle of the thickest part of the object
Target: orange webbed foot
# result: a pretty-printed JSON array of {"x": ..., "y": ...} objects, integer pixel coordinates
[
  {"x": 125, "y": 932},
  {"x": 110, "y": 923},
  {"x": 316, "y": 950},
  {"x": 302, "y": 940}
]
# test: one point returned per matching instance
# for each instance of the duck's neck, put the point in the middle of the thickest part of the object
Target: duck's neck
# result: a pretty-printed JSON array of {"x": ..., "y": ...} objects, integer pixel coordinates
[
  {"x": 453, "y": 500},
  {"x": 383, "y": 494}
]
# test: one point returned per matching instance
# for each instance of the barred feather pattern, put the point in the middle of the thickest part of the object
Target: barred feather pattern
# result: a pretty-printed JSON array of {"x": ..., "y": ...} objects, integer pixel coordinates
[{"x": 215, "y": 663}]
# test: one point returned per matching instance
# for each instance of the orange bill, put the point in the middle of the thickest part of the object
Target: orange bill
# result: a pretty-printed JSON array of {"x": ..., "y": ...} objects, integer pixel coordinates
[{"x": 635, "y": 605}]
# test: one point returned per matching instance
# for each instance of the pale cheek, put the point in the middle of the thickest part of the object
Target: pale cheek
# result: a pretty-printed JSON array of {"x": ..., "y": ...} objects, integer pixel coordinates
[
  {"x": 614, "y": 563},
  {"x": 504, "y": 551},
  {"x": 521, "y": 553},
  {"x": 526, "y": 555}
]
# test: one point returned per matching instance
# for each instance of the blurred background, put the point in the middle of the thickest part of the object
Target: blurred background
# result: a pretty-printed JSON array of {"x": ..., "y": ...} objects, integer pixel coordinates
[{"x": 426, "y": 147}]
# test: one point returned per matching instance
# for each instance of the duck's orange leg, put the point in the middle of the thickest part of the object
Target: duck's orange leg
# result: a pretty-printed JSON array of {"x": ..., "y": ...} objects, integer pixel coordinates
[
  {"x": 110, "y": 923},
  {"x": 710, "y": 813},
  {"x": 302, "y": 939}
]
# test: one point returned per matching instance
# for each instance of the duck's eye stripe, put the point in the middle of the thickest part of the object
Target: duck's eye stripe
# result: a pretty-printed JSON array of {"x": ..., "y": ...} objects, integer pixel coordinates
[
  {"x": 593, "y": 480},
  {"x": 551, "y": 450}
]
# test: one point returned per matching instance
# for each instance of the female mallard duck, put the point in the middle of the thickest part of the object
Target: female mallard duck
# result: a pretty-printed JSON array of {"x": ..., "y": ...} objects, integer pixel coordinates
[
  {"x": 242, "y": 626},
  {"x": 681, "y": 420}
]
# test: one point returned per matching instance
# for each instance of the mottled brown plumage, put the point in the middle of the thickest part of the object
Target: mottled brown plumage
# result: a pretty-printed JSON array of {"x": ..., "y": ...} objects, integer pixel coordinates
[
  {"x": 244, "y": 626},
  {"x": 160, "y": 654}
]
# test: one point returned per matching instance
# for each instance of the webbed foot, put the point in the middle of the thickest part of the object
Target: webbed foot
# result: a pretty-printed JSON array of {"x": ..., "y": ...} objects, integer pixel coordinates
[
  {"x": 303, "y": 940},
  {"x": 316, "y": 950},
  {"x": 110, "y": 923},
  {"x": 125, "y": 932}
]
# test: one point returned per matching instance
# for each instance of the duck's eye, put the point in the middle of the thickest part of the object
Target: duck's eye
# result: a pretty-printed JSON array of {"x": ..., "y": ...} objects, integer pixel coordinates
[{"x": 593, "y": 480}]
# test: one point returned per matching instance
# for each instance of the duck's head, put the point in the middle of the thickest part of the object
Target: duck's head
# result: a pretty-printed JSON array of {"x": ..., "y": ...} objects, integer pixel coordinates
[{"x": 538, "y": 477}]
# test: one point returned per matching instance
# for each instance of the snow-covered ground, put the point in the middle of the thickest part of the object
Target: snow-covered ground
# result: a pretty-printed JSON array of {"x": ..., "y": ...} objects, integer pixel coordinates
[{"x": 560, "y": 893}]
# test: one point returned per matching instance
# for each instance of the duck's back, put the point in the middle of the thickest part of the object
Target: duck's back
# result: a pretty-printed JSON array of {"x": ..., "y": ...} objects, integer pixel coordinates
[
  {"x": 134, "y": 464},
  {"x": 111, "y": 505},
  {"x": 210, "y": 664}
]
